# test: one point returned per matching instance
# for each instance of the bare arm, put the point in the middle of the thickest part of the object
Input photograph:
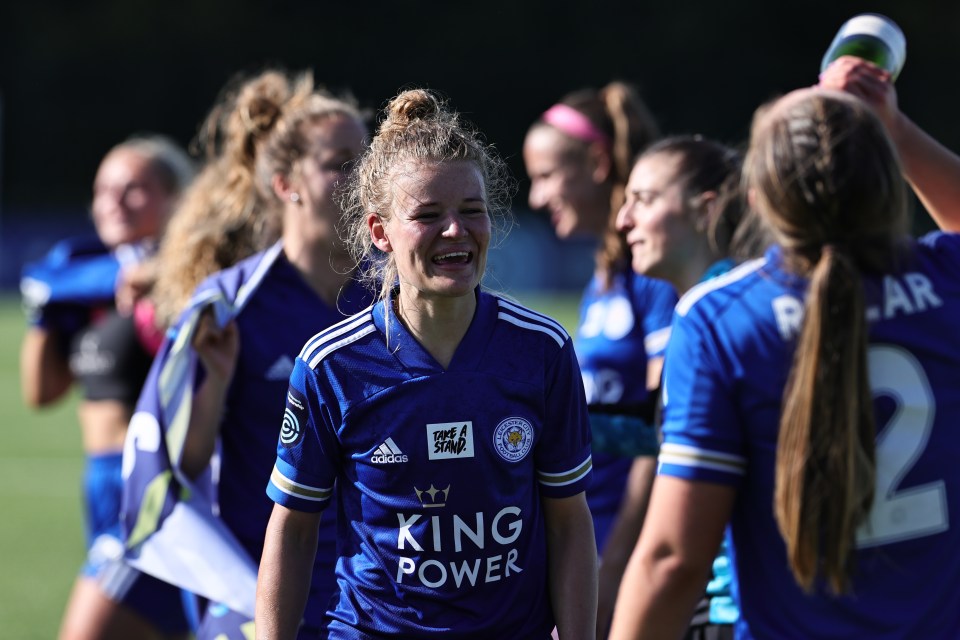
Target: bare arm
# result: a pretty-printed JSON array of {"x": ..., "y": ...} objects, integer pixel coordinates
[
  {"x": 623, "y": 537},
  {"x": 217, "y": 349},
  {"x": 654, "y": 374},
  {"x": 670, "y": 567},
  {"x": 628, "y": 523},
  {"x": 44, "y": 372},
  {"x": 572, "y": 565},
  {"x": 286, "y": 567},
  {"x": 932, "y": 170}
]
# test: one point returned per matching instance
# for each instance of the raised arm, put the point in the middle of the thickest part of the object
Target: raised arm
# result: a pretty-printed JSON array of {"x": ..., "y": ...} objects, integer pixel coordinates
[
  {"x": 932, "y": 169},
  {"x": 285, "y": 571}
]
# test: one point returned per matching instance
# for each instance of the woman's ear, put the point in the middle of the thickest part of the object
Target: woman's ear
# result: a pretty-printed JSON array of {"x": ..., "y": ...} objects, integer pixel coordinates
[
  {"x": 600, "y": 163},
  {"x": 706, "y": 210},
  {"x": 378, "y": 233},
  {"x": 283, "y": 188}
]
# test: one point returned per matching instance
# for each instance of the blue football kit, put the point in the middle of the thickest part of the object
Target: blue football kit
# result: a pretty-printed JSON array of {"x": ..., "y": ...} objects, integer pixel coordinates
[
  {"x": 621, "y": 327},
  {"x": 438, "y": 473},
  {"x": 727, "y": 365}
]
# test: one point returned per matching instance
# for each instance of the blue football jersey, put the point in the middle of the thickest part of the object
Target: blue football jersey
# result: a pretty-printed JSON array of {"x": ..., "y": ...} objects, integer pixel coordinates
[
  {"x": 727, "y": 364},
  {"x": 280, "y": 314},
  {"x": 438, "y": 472},
  {"x": 621, "y": 326}
]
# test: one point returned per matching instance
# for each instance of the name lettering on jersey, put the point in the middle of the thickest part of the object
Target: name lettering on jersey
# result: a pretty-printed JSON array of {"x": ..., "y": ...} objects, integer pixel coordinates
[
  {"x": 449, "y": 440},
  {"x": 789, "y": 314},
  {"x": 388, "y": 453},
  {"x": 513, "y": 438},
  {"x": 434, "y": 497},
  {"x": 903, "y": 295},
  {"x": 294, "y": 415},
  {"x": 439, "y": 533}
]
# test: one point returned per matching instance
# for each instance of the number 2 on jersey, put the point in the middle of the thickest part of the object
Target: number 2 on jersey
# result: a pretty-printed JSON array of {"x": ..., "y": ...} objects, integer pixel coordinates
[{"x": 902, "y": 514}]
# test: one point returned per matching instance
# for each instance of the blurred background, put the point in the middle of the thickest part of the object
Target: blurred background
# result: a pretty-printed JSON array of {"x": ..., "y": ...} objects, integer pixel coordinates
[{"x": 78, "y": 76}]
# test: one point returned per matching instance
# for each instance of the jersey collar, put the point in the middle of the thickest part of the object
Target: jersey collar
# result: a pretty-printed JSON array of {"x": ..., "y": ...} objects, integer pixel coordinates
[{"x": 415, "y": 358}]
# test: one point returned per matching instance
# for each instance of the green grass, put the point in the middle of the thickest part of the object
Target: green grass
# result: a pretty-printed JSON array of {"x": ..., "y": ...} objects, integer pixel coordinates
[
  {"x": 562, "y": 307},
  {"x": 41, "y": 535},
  {"x": 41, "y": 461}
]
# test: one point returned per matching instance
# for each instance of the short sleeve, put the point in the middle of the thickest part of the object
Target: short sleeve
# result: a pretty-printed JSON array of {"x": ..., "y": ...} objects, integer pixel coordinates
[
  {"x": 702, "y": 432},
  {"x": 655, "y": 301},
  {"x": 306, "y": 466},
  {"x": 563, "y": 459},
  {"x": 946, "y": 246}
]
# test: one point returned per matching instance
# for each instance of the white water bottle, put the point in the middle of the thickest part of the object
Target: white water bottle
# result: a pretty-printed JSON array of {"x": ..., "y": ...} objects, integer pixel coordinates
[{"x": 873, "y": 37}]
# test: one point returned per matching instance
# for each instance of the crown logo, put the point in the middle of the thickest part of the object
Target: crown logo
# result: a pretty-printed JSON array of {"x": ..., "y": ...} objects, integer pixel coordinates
[{"x": 432, "y": 501}]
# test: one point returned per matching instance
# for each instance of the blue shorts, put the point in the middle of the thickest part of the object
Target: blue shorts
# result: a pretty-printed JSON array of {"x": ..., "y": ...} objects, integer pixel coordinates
[
  {"x": 102, "y": 491},
  {"x": 158, "y": 602}
]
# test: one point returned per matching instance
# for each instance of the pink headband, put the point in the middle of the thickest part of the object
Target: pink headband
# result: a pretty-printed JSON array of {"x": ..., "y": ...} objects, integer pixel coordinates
[{"x": 574, "y": 124}]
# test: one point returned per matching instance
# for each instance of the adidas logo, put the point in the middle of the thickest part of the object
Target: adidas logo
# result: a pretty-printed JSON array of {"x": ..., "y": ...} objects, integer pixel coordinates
[
  {"x": 388, "y": 453},
  {"x": 281, "y": 369}
]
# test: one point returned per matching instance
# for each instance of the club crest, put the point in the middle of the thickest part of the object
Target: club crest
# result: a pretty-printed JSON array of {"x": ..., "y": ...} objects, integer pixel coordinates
[{"x": 513, "y": 438}]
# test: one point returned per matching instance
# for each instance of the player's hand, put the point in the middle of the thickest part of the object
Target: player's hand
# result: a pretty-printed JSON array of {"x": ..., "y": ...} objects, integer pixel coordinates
[
  {"x": 217, "y": 347},
  {"x": 868, "y": 82},
  {"x": 133, "y": 284}
]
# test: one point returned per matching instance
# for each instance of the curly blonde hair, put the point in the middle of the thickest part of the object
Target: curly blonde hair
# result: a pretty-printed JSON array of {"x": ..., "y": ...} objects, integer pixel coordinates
[{"x": 222, "y": 218}]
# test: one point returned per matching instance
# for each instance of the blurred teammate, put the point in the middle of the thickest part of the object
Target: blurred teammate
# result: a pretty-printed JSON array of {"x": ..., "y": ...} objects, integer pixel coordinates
[
  {"x": 449, "y": 423},
  {"x": 302, "y": 282},
  {"x": 809, "y": 401},
  {"x": 682, "y": 212},
  {"x": 578, "y": 156},
  {"x": 77, "y": 336}
]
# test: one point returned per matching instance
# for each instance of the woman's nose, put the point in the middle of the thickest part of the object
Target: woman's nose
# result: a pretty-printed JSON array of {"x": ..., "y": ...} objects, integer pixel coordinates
[
  {"x": 453, "y": 226},
  {"x": 536, "y": 199},
  {"x": 624, "y": 221}
]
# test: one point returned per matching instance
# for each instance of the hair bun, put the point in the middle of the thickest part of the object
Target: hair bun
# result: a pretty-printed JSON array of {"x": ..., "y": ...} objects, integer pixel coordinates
[
  {"x": 250, "y": 110},
  {"x": 415, "y": 104},
  {"x": 260, "y": 114}
]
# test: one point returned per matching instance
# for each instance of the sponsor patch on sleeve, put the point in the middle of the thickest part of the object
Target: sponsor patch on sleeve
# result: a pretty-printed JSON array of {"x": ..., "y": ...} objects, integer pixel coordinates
[{"x": 294, "y": 418}]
